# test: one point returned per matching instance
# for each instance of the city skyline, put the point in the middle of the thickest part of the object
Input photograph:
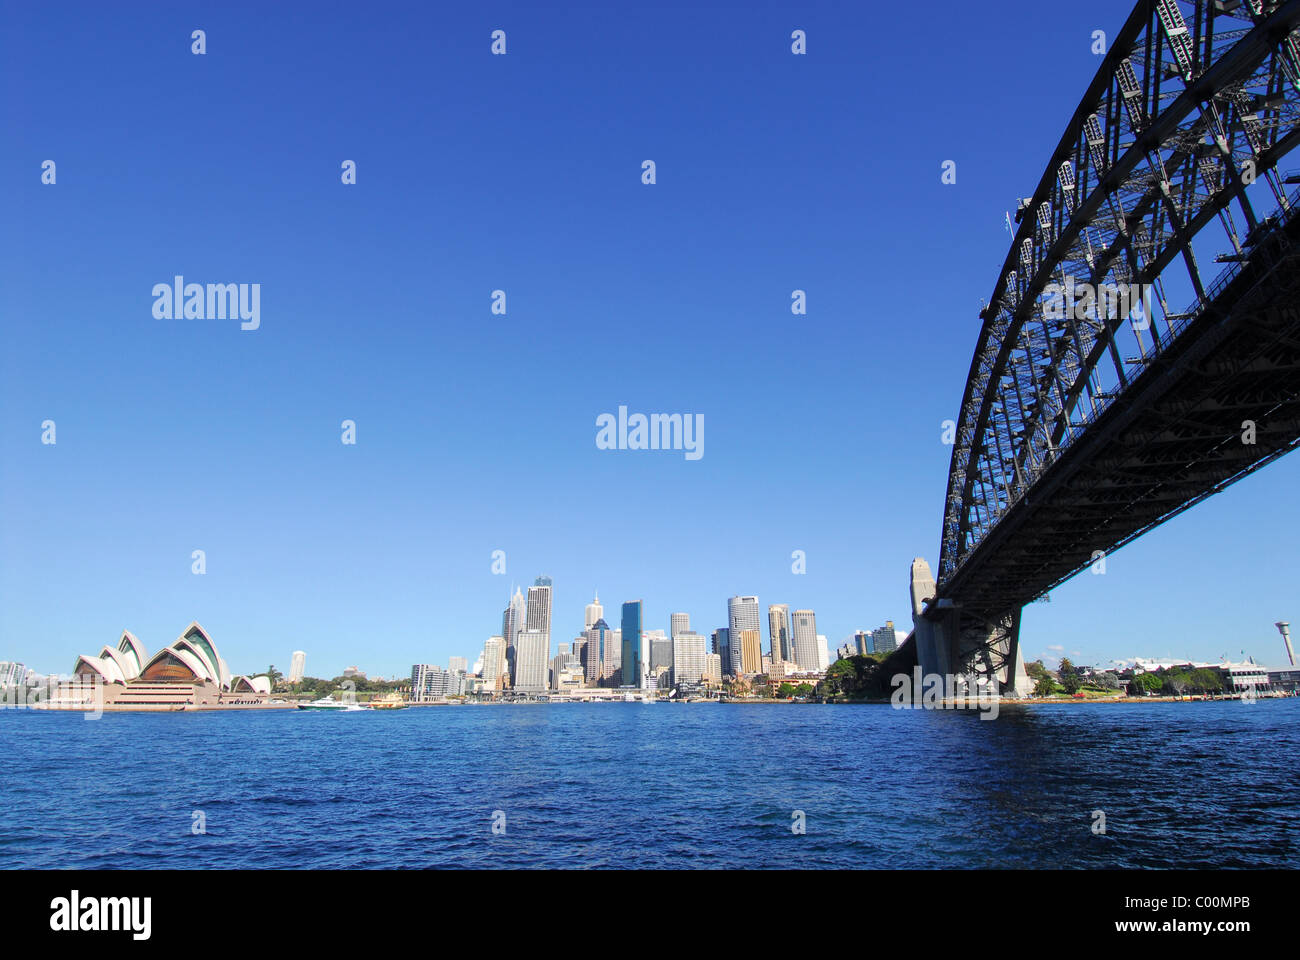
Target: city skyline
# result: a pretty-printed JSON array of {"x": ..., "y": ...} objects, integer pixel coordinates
[{"x": 620, "y": 294}]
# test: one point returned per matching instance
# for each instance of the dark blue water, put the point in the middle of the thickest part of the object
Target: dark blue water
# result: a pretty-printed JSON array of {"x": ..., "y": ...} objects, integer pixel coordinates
[{"x": 656, "y": 785}]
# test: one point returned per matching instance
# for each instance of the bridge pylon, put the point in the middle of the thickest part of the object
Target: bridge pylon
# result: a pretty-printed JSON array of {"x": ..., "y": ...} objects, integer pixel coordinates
[{"x": 955, "y": 640}]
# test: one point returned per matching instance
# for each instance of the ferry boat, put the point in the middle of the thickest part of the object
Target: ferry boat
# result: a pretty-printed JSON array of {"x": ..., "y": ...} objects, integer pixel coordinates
[
  {"x": 329, "y": 703},
  {"x": 390, "y": 701}
]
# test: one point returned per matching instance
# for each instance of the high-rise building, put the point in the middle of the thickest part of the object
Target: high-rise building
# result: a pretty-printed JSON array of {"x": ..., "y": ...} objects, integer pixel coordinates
[
  {"x": 458, "y": 663},
  {"x": 661, "y": 653},
  {"x": 429, "y": 682},
  {"x": 678, "y": 623},
  {"x": 598, "y": 658},
  {"x": 712, "y": 667},
  {"x": 751, "y": 652},
  {"x": 494, "y": 663},
  {"x": 297, "y": 666},
  {"x": 531, "y": 662},
  {"x": 632, "y": 644},
  {"x": 722, "y": 647},
  {"x": 742, "y": 614},
  {"x": 884, "y": 639},
  {"x": 862, "y": 642},
  {"x": 512, "y": 622},
  {"x": 594, "y": 612},
  {"x": 778, "y": 630},
  {"x": 823, "y": 652},
  {"x": 534, "y": 643},
  {"x": 689, "y": 652},
  {"x": 803, "y": 636}
]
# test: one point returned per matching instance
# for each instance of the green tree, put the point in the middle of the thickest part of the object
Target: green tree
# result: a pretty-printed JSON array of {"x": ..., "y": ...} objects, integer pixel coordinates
[
  {"x": 1044, "y": 686},
  {"x": 1144, "y": 683},
  {"x": 785, "y": 691}
]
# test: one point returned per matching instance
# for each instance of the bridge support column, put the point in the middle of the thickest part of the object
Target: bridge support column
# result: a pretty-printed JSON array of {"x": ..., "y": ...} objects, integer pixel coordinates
[{"x": 955, "y": 641}]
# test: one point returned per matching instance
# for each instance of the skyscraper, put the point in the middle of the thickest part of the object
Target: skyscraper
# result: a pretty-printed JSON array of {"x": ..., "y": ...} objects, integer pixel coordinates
[
  {"x": 884, "y": 639},
  {"x": 803, "y": 636},
  {"x": 778, "y": 627},
  {"x": 678, "y": 623},
  {"x": 722, "y": 648},
  {"x": 751, "y": 652},
  {"x": 632, "y": 643},
  {"x": 298, "y": 666},
  {"x": 742, "y": 614},
  {"x": 598, "y": 659},
  {"x": 688, "y": 658},
  {"x": 594, "y": 612},
  {"x": 823, "y": 652},
  {"x": 534, "y": 643},
  {"x": 512, "y": 621},
  {"x": 457, "y": 663},
  {"x": 531, "y": 662},
  {"x": 494, "y": 663}
]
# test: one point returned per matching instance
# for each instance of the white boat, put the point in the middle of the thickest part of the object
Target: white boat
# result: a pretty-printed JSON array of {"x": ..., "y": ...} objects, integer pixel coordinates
[{"x": 329, "y": 703}]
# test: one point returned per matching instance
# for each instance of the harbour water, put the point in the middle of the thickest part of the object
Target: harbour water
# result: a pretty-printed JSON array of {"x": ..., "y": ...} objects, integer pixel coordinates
[{"x": 1201, "y": 785}]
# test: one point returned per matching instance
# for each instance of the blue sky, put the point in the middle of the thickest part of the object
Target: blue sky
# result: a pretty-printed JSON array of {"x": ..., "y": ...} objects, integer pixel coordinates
[{"x": 477, "y": 432}]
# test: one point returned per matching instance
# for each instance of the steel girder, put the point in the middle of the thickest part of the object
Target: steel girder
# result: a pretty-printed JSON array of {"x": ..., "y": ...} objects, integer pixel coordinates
[{"x": 1193, "y": 105}]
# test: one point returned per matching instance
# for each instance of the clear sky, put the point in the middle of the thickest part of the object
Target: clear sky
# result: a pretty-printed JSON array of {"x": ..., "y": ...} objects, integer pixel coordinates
[{"x": 476, "y": 432}]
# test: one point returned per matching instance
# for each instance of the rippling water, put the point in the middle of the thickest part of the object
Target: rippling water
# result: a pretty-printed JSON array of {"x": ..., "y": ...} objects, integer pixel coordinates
[{"x": 656, "y": 785}]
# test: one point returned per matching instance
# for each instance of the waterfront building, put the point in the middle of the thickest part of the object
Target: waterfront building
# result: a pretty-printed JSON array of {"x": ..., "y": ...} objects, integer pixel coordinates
[
  {"x": 631, "y": 640},
  {"x": 297, "y": 666},
  {"x": 615, "y": 648},
  {"x": 494, "y": 663},
  {"x": 594, "y": 612},
  {"x": 661, "y": 653},
  {"x": 742, "y": 614},
  {"x": 689, "y": 656},
  {"x": 751, "y": 652},
  {"x": 778, "y": 630},
  {"x": 531, "y": 662},
  {"x": 713, "y": 667},
  {"x": 12, "y": 674},
  {"x": 187, "y": 673},
  {"x": 458, "y": 663},
  {"x": 884, "y": 639},
  {"x": 803, "y": 636}
]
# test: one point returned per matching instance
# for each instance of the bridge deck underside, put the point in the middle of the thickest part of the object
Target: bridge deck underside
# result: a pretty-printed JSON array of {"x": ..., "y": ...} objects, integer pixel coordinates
[{"x": 1174, "y": 437}]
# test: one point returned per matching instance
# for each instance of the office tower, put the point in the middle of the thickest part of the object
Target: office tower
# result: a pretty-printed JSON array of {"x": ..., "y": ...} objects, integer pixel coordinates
[
  {"x": 678, "y": 623},
  {"x": 597, "y": 657},
  {"x": 494, "y": 663},
  {"x": 803, "y": 637},
  {"x": 594, "y": 612},
  {"x": 512, "y": 622},
  {"x": 823, "y": 653},
  {"x": 531, "y": 661},
  {"x": 298, "y": 664},
  {"x": 778, "y": 630},
  {"x": 713, "y": 667},
  {"x": 661, "y": 651},
  {"x": 722, "y": 647},
  {"x": 458, "y": 663},
  {"x": 532, "y": 658},
  {"x": 615, "y": 647},
  {"x": 689, "y": 651},
  {"x": 579, "y": 651},
  {"x": 862, "y": 642},
  {"x": 884, "y": 639},
  {"x": 742, "y": 614},
  {"x": 632, "y": 644},
  {"x": 751, "y": 652}
]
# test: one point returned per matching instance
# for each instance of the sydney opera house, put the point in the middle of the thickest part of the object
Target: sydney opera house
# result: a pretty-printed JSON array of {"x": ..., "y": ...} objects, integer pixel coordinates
[{"x": 187, "y": 675}]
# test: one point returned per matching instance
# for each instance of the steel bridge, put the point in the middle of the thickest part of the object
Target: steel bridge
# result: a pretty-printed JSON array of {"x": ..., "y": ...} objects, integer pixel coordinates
[{"x": 1097, "y": 406}]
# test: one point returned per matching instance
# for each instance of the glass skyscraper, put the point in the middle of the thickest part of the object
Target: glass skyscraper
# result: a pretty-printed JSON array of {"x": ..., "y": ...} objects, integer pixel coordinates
[{"x": 632, "y": 644}]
